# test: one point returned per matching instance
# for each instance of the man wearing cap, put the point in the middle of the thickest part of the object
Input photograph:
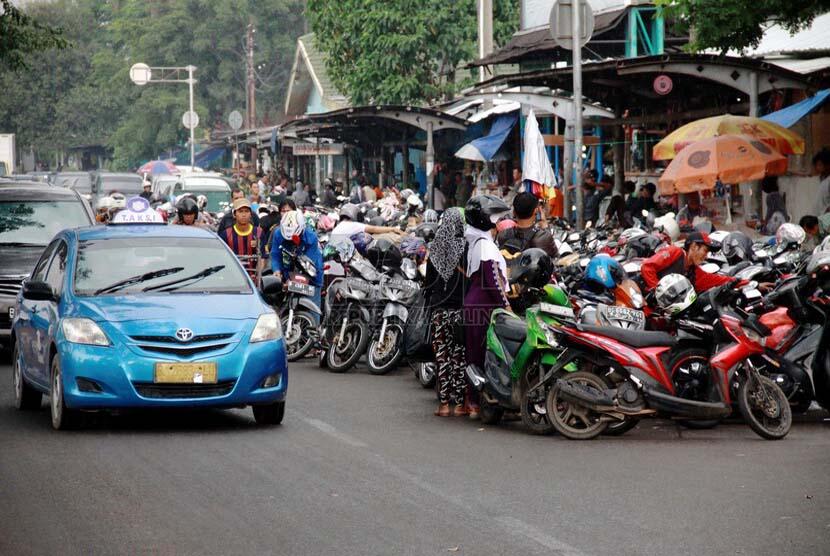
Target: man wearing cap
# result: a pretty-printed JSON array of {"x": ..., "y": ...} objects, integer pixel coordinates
[
  {"x": 228, "y": 220},
  {"x": 244, "y": 238},
  {"x": 674, "y": 260}
]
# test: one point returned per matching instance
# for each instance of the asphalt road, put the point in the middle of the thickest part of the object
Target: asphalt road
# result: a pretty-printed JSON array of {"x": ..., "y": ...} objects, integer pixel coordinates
[{"x": 362, "y": 467}]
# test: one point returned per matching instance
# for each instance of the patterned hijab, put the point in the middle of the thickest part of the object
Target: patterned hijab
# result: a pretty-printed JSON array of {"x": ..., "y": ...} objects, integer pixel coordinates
[{"x": 446, "y": 249}]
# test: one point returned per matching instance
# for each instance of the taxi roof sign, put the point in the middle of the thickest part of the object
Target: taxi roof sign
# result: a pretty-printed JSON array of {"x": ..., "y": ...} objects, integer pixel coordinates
[{"x": 137, "y": 211}]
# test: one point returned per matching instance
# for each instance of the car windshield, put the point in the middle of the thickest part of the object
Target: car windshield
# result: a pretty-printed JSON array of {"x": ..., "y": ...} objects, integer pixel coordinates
[
  {"x": 122, "y": 185},
  {"x": 37, "y": 222},
  {"x": 216, "y": 200},
  {"x": 188, "y": 265}
]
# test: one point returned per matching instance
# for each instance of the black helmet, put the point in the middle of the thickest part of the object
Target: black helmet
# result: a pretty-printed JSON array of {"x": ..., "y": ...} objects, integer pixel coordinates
[
  {"x": 483, "y": 211},
  {"x": 426, "y": 231},
  {"x": 383, "y": 253},
  {"x": 533, "y": 269},
  {"x": 377, "y": 221},
  {"x": 737, "y": 247},
  {"x": 642, "y": 246},
  {"x": 187, "y": 205}
]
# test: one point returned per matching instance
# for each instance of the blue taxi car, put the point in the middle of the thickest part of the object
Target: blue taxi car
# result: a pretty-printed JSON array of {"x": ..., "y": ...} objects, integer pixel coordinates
[{"x": 127, "y": 316}]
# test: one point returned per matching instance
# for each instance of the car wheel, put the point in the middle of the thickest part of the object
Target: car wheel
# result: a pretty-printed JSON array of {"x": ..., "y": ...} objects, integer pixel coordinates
[
  {"x": 25, "y": 397},
  {"x": 63, "y": 418},
  {"x": 270, "y": 414}
]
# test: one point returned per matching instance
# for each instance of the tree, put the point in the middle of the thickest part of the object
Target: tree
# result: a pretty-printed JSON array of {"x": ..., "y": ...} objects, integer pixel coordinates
[
  {"x": 21, "y": 35},
  {"x": 398, "y": 51},
  {"x": 739, "y": 24}
]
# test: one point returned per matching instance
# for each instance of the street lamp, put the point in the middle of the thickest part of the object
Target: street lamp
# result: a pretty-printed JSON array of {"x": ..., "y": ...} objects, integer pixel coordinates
[{"x": 141, "y": 74}]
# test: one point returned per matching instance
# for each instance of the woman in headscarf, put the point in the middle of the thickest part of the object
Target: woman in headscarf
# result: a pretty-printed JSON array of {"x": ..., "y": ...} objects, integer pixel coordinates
[
  {"x": 300, "y": 196},
  {"x": 487, "y": 278},
  {"x": 445, "y": 281}
]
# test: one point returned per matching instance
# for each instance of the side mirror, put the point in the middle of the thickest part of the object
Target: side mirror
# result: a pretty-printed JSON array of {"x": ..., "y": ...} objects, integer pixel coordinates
[
  {"x": 271, "y": 285},
  {"x": 38, "y": 291}
]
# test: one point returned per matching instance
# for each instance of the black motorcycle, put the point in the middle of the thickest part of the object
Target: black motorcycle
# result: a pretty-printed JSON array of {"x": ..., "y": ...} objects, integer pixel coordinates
[{"x": 298, "y": 312}]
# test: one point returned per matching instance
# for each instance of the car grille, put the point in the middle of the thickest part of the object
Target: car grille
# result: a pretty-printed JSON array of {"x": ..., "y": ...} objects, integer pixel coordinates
[
  {"x": 183, "y": 351},
  {"x": 172, "y": 391},
  {"x": 174, "y": 340},
  {"x": 10, "y": 285}
]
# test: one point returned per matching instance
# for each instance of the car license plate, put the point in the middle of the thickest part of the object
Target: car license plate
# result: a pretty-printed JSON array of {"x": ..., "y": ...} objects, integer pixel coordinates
[
  {"x": 557, "y": 310},
  {"x": 624, "y": 313},
  {"x": 185, "y": 373},
  {"x": 302, "y": 289}
]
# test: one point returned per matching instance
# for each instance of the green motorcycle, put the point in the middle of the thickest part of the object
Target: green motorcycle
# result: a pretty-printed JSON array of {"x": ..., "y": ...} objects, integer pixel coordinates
[{"x": 521, "y": 351}]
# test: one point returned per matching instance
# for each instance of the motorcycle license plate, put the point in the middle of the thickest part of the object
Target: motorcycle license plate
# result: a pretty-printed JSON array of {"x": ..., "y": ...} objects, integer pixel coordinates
[
  {"x": 557, "y": 310},
  {"x": 624, "y": 313},
  {"x": 302, "y": 289}
]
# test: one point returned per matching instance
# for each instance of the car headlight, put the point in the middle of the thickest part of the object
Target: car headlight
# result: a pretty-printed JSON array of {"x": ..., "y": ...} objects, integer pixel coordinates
[
  {"x": 267, "y": 328},
  {"x": 84, "y": 331}
]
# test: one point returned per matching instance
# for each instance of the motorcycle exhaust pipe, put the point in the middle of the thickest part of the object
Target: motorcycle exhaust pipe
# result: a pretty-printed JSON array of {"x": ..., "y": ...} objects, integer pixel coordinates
[
  {"x": 475, "y": 376},
  {"x": 575, "y": 393}
]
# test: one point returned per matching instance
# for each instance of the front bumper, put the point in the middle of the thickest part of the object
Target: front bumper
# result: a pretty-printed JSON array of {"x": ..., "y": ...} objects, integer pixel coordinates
[{"x": 125, "y": 378}]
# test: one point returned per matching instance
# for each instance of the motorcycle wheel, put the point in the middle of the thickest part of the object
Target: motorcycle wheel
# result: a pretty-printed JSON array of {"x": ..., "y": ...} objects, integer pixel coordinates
[
  {"x": 490, "y": 414},
  {"x": 575, "y": 421},
  {"x": 686, "y": 363},
  {"x": 765, "y": 408},
  {"x": 342, "y": 357},
  {"x": 534, "y": 414},
  {"x": 383, "y": 358},
  {"x": 322, "y": 358},
  {"x": 300, "y": 339},
  {"x": 619, "y": 428},
  {"x": 426, "y": 375}
]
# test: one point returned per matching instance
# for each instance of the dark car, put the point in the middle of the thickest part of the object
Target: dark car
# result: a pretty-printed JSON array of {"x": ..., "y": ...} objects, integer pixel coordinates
[{"x": 31, "y": 213}]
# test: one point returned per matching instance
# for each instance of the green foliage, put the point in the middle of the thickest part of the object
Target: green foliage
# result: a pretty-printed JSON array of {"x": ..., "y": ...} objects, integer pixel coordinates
[
  {"x": 83, "y": 95},
  {"x": 739, "y": 24},
  {"x": 21, "y": 35},
  {"x": 398, "y": 51}
]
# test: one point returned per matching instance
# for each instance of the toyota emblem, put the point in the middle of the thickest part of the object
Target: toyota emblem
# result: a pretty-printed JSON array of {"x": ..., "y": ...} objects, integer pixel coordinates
[{"x": 184, "y": 334}]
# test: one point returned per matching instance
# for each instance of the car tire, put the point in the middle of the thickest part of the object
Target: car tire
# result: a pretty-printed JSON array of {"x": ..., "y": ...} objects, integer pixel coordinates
[
  {"x": 25, "y": 397},
  {"x": 270, "y": 414},
  {"x": 63, "y": 418}
]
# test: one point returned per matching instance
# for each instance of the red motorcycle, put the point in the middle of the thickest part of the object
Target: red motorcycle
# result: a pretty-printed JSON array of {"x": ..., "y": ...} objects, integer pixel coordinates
[{"x": 632, "y": 378}]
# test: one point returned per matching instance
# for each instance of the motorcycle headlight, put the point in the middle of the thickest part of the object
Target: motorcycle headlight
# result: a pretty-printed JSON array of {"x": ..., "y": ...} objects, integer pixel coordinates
[
  {"x": 267, "y": 328},
  {"x": 309, "y": 267},
  {"x": 84, "y": 331},
  {"x": 392, "y": 294},
  {"x": 550, "y": 336}
]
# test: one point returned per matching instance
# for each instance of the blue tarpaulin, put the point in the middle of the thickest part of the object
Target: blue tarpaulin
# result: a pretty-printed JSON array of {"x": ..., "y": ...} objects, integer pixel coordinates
[
  {"x": 787, "y": 117},
  {"x": 485, "y": 148},
  {"x": 208, "y": 156}
]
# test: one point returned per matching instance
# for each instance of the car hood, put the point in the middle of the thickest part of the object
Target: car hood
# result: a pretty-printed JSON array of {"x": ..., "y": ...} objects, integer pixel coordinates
[
  {"x": 18, "y": 261},
  {"x": 180, "y": 309}
]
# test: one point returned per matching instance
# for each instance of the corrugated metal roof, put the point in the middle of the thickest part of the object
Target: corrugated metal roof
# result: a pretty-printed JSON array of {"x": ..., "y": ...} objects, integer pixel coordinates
[
  {"x": 803, "y": 66},
  {"x": 778, "y": 40},
  {"x": 317, "y": 63}
]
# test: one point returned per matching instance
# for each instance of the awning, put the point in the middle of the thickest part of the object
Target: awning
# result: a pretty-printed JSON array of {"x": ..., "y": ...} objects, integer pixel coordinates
[
  {"x": 208, "y": 156},
  {"x": 485, "y": 148},
  {"x": 789, "y": 116}
]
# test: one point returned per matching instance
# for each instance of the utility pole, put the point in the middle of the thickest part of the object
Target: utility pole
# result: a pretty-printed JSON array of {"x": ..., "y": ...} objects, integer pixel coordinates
[
  {"x": 576, "y": 27},
  {"x": 250, "y": 85},
  {"x": 485, "y": 33}
]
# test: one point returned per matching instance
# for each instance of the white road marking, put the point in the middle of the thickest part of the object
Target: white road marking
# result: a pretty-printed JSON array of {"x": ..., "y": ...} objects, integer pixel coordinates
[
  {"x": 517, "y": 525},
  {"x": 324, "y": 427}
]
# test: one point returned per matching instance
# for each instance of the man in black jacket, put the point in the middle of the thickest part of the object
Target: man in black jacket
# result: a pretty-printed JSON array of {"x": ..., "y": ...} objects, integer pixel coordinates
[{"x": 526, "y": 233}]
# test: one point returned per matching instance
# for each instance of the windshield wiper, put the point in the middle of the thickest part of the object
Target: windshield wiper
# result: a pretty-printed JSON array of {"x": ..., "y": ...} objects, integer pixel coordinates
[
  {"x": 138, "y": 279},
  {"x": 21, "y": 244},
  {"x": 176, "y": 284}
]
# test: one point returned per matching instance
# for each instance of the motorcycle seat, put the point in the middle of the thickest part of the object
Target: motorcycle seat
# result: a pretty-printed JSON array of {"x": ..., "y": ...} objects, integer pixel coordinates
[
  {"x": 510, "y": 328},
  {"x": 633, "y": 338}
]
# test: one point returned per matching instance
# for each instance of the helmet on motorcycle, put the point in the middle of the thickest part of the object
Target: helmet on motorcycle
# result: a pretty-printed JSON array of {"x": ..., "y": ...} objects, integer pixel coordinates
[
  {"x": 383, "y": 253},
  {"x": 604, "y": 271},
  {"x": 431, "y": 216},
  {"x": 790, "y": 234},
  {"x": 349, "y": 211},
  {"x": 405, "y": 194},
  {"x": 630, "y": 233},
  {"x": 484, "y": 211},
  {"x": 377, "y": 221},
  {"x": 414, "y": 203},
  {"x": 187, "y": 205},
  {"x": 533, "y": 269},
  {"x": 674, "y": 293},
  {"x": 642, "y": 246},
  {"x": 426, "y": 231},
  {"x": 292, "y": 226},
  {"x": 737, "y": 247},
  {"x": 668, "y": 225},
  {"x": 202, "y": 201}
]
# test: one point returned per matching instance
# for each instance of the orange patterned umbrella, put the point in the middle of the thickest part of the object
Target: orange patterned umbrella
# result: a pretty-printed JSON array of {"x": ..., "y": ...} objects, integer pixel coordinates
[
  {"x": 778, "y": 137},
  {"x": 728, "y": 158}
]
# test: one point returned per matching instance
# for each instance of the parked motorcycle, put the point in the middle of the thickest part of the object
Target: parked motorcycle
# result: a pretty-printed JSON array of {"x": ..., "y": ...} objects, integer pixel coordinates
[{"x": 298, "y": 312}]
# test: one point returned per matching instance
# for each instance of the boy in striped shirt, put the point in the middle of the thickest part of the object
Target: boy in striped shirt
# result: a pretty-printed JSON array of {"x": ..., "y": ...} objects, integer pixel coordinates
[{"x": 244, "y": 239}]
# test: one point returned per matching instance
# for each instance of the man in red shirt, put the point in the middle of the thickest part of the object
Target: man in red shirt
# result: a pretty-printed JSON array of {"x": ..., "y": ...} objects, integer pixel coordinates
[
  {"x": 674, "y": 260},
  {"x": 244, "y": 238}
]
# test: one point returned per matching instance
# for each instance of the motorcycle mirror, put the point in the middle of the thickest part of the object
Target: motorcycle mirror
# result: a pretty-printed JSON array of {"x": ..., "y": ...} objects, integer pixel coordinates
[
  {"x": 588, "y": 224},
  {"x": 644, "y": 213}
]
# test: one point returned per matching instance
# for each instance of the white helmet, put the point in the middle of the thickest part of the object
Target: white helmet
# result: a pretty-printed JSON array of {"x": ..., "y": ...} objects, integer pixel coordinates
[
  {"x": 630, "y": 233},
  {"x": 674, "y": 293},
  {"x": 105, "y": 203},
  {"x": 789, "y": 233},
  {"x": 119, "y": 201},
  {"x": 405, "y": 194},
  {"x": 668, "y": 224},
  {"x": 292, "y": 225},
  {"x": 202, "y": 201},
  {"x": 817, "y": 260},
  {"x": 414, "y": 202}
]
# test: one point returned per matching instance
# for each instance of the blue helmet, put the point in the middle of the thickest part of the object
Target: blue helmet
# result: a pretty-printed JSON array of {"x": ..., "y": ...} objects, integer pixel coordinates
[{"x": 604, "y": 271}]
